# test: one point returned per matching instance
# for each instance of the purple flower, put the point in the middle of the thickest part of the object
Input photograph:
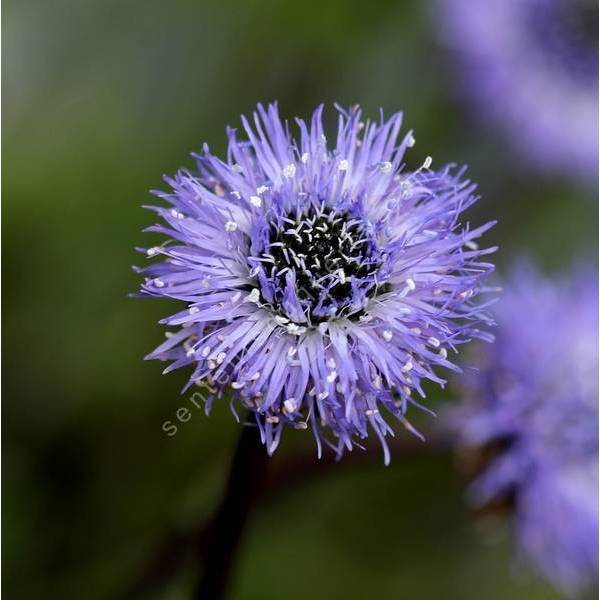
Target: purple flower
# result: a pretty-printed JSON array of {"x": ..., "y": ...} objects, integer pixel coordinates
[
  {"x": 535, "y": 400},
  {"x": 321, "y": 286},
  {"x": 531, "y": 66}
]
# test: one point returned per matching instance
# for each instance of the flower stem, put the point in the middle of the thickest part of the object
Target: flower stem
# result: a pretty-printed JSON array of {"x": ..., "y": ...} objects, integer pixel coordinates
[
  {"x": 286, "y": 474},
  {"x": 246, "y": 478}
]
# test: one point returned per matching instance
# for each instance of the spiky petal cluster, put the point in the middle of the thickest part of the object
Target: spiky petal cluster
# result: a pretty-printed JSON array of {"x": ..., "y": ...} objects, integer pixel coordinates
[
  {"x": 321, "y": 286},
  {"x": 535, "y": 400},
  {"x": 531, "y": 66}
]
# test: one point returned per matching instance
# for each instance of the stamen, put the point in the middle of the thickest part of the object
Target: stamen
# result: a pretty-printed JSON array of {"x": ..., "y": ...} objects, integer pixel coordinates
[
  {"x": 253, "y": 296},
  {"x": 289, "y": 405},
  {"x": 289, "y": 171}
]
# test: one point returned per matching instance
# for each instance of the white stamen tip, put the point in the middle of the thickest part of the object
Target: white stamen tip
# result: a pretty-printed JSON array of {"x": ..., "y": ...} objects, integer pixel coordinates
[
  {"x": 405, "y": 186},
  {"x": 177, "y": 215},
  {"x": 236, "y": 194},
  {"x": 289, "y": 405},
  {"x": 289, "y": 171},
  {"x": 410, "y": 142},
  {"x": 295, "y": 329},
  {"x": 231, "y": 226},
  {"x": 343, "y": 165},
  {"x": 237, "y": 168},
  {"x": 159, "y": 283},
  {"x": 253, "y": 296},
  {"x": 305, "y": 158},
  {"x": 261, "y": 190},
  {"x": 387, "y": 335},
  {"x": 331, "y": 377},
  {"x": 193, "y": 310},
  {"x": 386, "y": 167},
  {"x": 407, "y": 367},
  {"x": 255, "y": 201},
  {"x": 427, "y": 162},
  {"x": 410, "y": 284},
  {"x": 434, "y": 342},
  {"x": 151, "y": 251}
]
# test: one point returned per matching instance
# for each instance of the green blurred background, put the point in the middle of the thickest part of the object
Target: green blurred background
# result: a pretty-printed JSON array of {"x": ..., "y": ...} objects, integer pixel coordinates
[{"x": 101, "y": 97}]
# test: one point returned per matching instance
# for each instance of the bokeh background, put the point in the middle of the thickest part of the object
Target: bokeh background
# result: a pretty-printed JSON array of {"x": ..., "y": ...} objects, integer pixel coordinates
[{"x": 101, "y": 97}]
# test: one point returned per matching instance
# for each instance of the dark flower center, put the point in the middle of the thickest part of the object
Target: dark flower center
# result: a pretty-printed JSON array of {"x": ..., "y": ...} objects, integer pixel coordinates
[
  {"x": 324, "y": 247},
  {"x": 331, "y": 256}
]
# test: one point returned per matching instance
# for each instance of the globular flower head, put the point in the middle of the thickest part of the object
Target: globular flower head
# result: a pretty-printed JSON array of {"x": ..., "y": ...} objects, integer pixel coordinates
[
  {"x": 322, "y": 286},
  {"x": 535, "y": 401},
  {"x": 531, "y": 67}
]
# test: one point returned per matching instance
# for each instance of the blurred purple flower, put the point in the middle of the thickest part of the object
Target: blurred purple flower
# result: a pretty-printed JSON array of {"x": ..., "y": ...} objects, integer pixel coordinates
[
  {"x": 322, "y": 286},
  {"x": 531, "y": 66},
  {"x": 535, "y": 400}
]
